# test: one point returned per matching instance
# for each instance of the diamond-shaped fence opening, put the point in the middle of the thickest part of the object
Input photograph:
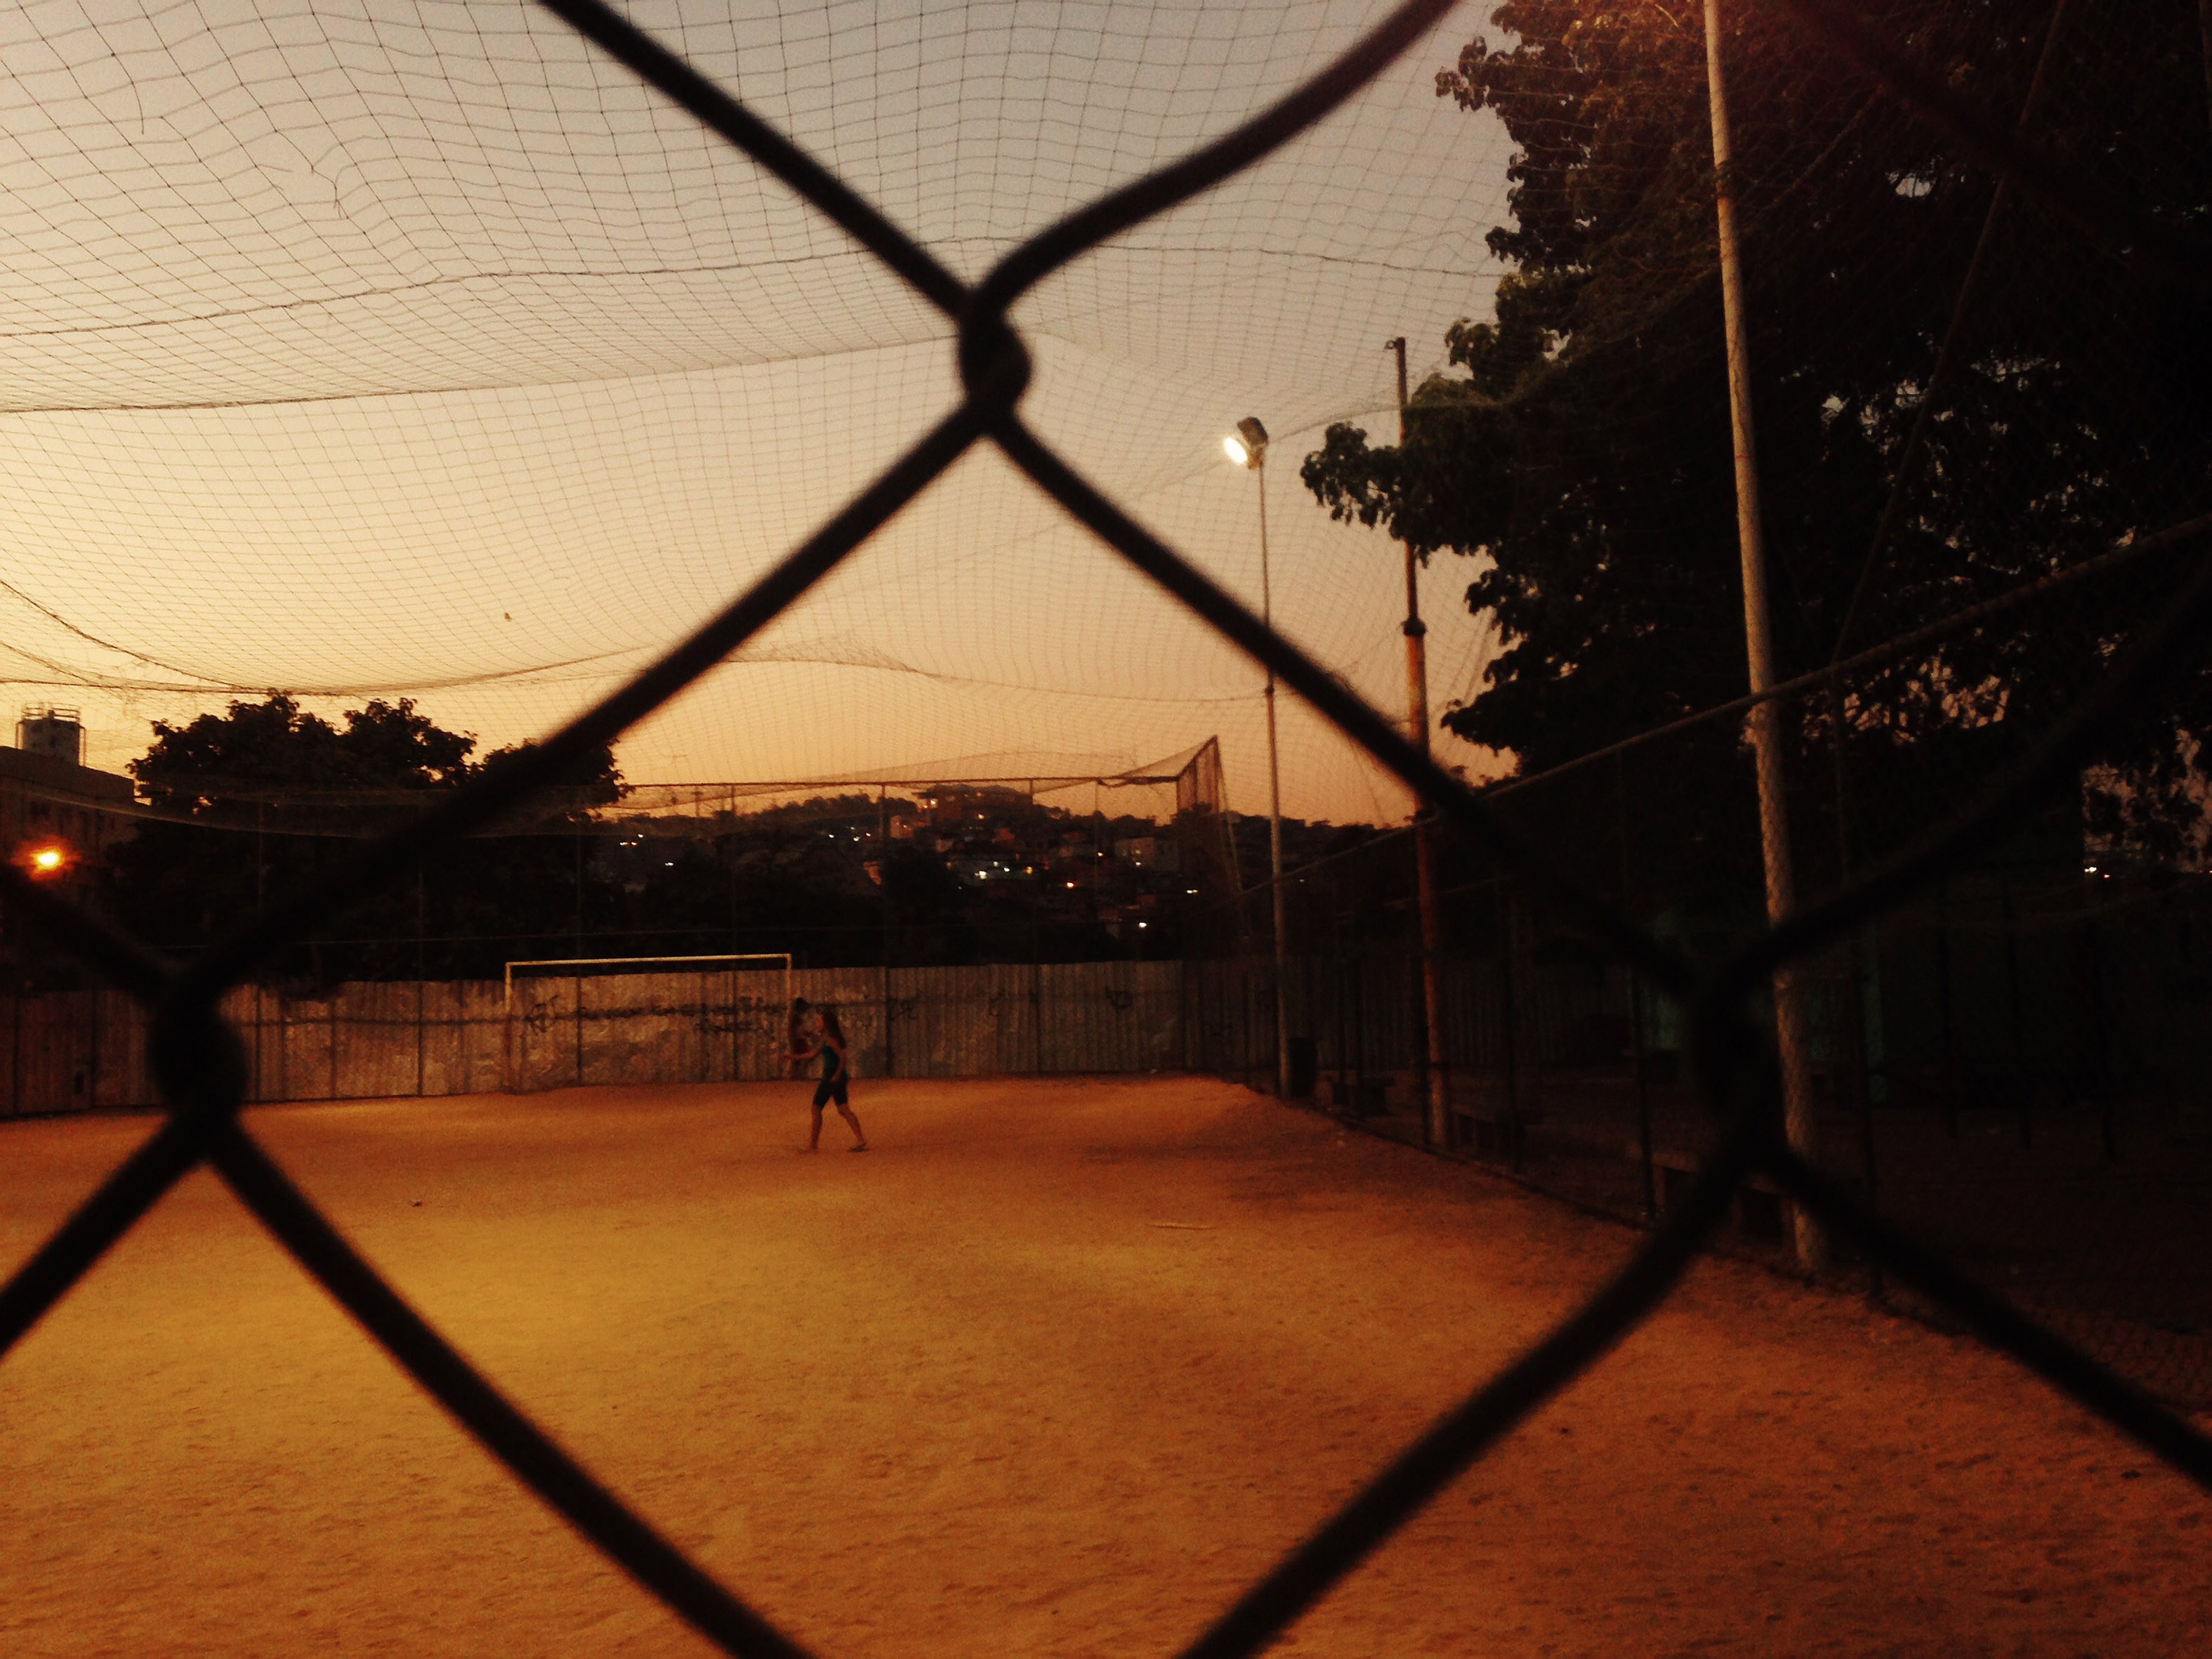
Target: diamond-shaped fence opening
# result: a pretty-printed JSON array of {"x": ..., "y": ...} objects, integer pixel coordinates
[{"x": 1554, "y": 845}]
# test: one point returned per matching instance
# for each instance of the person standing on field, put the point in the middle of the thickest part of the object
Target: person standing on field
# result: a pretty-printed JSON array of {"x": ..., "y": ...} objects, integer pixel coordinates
[{"x": 836, "y": 1078}]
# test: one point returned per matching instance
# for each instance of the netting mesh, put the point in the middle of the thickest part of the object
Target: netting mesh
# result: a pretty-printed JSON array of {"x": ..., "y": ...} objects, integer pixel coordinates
[
  {"x": 421, "y": 350},
  {"x": 425, "y": 350}
]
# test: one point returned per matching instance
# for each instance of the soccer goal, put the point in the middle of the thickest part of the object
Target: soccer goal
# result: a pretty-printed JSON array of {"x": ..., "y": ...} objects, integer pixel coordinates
[{"x": 712, "y": 1018}]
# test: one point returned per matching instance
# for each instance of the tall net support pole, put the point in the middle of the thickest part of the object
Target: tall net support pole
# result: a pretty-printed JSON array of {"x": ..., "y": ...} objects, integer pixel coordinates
[
  {"x": 2204, "y": 27},
  {"x": 1790, "y": 1034},
  {"x": 1436, "y": 1117},
  {"x": 1274, "y": 807}
]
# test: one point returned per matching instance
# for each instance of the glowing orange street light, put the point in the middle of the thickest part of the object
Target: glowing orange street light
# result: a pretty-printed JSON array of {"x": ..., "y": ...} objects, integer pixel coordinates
[{"x": 46, "y": 861}]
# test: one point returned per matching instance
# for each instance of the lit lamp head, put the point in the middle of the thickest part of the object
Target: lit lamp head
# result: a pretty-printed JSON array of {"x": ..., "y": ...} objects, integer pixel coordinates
[
  {"x": 47, "y": 860},
  {"x": 1248, "y": 445}
]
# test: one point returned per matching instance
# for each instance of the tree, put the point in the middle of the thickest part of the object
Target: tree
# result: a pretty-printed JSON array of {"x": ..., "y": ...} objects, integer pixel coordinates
[
  {"x": 273, "y": 745},
  {"x": 1581, "y": 452},
  {"x": 273, "y": 795}
]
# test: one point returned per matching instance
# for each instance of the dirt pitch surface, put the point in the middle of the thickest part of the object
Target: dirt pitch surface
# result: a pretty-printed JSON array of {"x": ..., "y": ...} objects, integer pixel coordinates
[{"x": 1056, "y": 1367}]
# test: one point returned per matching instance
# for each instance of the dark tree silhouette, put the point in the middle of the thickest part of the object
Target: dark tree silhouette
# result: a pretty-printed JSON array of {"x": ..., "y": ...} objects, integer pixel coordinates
[{"x": 1580, "y": 451}]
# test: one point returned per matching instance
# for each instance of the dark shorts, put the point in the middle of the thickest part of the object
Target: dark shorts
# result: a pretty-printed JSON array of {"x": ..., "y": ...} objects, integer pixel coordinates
[{"x": 831, "y": 1089}]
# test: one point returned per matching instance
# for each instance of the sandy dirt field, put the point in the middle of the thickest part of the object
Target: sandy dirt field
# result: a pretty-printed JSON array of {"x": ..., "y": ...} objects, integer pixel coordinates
[{"x": 1053, "y": 1369}]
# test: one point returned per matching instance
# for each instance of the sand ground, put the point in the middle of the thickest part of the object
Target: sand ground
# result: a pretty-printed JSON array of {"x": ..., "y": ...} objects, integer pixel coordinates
[{"x": 1054, "y": 1369}]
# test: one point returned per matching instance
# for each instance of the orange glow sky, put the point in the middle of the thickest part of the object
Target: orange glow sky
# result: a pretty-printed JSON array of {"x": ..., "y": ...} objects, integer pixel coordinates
[{"x": 414, "y": 350}]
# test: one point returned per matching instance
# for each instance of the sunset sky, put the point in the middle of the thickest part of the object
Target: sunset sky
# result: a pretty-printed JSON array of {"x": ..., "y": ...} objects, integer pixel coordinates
[{"x": 413, "y": 350}]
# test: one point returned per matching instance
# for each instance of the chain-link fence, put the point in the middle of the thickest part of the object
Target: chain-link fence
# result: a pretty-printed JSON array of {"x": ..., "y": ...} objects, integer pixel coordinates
[
  {"x": 2011, "y": 1061},
  {"x": 1922, "y": 874}
]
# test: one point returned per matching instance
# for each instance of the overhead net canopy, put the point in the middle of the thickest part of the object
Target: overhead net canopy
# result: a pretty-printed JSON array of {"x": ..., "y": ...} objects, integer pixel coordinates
[{"x": 417, "y": 349}]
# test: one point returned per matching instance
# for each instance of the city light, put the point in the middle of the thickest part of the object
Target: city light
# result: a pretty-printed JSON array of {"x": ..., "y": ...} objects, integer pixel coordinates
[{"x": 47, "y": 858}]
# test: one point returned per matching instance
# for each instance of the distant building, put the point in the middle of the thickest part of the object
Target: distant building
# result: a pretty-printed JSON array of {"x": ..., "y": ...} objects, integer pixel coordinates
[
  {"x": 57, "y": 815},
  {"x": 57, "y": 734},
  {"x": 1149, "y": 853}
]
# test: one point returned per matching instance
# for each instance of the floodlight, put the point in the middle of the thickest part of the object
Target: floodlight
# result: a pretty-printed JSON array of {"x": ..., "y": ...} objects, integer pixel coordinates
[
  {"x": 47, "y": 858},
  {"x": 1248, "y": 445}
]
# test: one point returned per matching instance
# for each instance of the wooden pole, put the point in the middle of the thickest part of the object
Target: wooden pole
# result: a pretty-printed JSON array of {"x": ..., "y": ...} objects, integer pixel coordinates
[{"x": 1791, "y": 1037}]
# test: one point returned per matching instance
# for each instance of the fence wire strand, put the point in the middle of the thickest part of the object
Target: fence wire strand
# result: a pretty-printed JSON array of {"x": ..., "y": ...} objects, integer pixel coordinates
[{"x": 202, "y": 1080}]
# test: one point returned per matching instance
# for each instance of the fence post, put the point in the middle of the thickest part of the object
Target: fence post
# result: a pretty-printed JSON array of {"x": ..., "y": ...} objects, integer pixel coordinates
[
  {"x": 1642, "y": 1095},
  {"x": 1943, "y": 1009},
  {"x": 1359, "y": 1035},
  {"x": 884, "y": 921},
  {"x": 1337, "y": 980},
  {"x": 1244, "y": 1047},
  {"x": 92, "y": 1060},
  {"x": 1635, "y": 989},
  {"x": 2099, "y": 1068},
  {"x": 2020, "y": 1078},
  {"x": 1854, "y": 1030},
  {"x": 420, "y": 1034},
  {"x": 1854, "y": 975},
  {"x": 1509, "y": 1125}
]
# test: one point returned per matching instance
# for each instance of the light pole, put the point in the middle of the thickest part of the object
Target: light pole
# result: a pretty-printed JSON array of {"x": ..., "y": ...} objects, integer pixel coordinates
[
  {"x": 1247, "y": 447},
  {"x": 1793, "y": 1039},
  {"x": 1436, "y": 1117}
]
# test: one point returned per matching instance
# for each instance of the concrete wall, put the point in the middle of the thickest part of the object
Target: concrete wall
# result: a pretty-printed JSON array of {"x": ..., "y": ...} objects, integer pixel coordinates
[{"x": 76, "y": 1050}]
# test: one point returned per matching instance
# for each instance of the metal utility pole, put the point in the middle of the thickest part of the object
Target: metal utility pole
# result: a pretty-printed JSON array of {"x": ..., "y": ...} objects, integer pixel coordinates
[
  {"x": 1790, "y": 1026},
  {"x": 2204, "y": 26},
  {"x": 1274, "y": 810},
  {"x": 1248, "y": 449},
  {"x": 1436, "y": 1109}
]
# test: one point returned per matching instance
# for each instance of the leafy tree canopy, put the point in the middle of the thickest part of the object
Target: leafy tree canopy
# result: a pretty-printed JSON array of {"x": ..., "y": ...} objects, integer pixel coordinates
[
  {"x": 283, "y": 794},
  {"x": 273, "y": 749},
  {"x": 1580, "y": 449},
  {"x": 275, "y": 745}
]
